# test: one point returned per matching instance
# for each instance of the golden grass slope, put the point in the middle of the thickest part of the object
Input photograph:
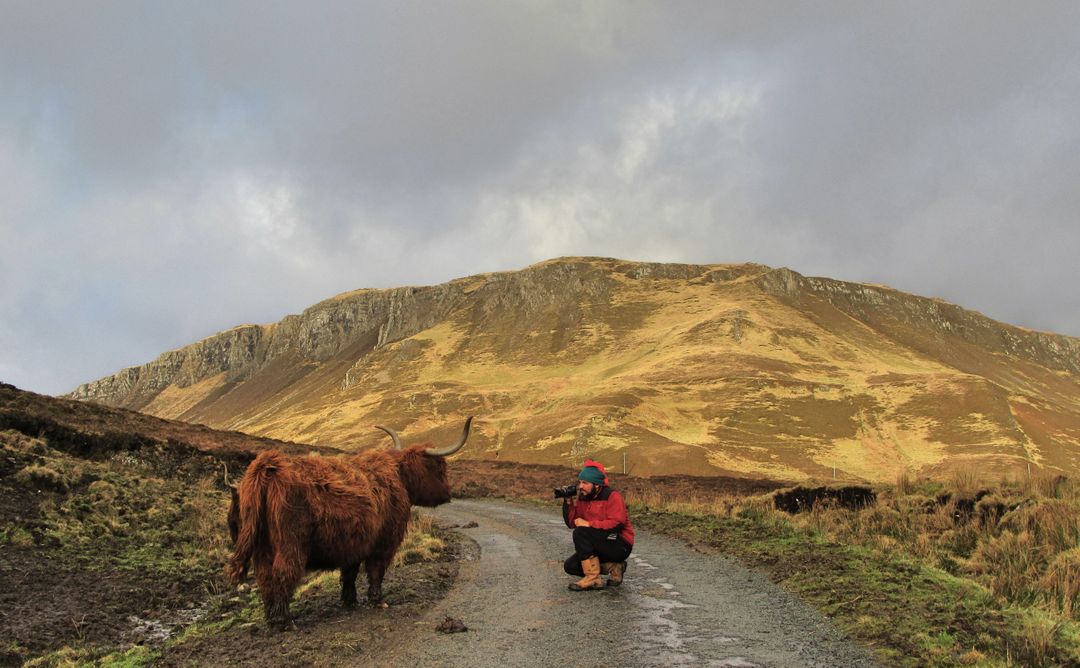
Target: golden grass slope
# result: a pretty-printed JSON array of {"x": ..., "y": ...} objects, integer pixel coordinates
[{"x": 699, "y": 369}]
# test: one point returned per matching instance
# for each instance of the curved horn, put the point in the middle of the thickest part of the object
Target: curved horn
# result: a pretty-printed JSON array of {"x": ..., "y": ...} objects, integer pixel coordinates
[
  {"x": 393, "y": 435},
  {"x": 226, "y": 466},
  {"x": 446, "y": 452}
]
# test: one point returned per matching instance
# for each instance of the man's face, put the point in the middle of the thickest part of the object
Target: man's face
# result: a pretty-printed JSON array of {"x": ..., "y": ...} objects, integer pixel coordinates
[{"x": 585, "y": 488}]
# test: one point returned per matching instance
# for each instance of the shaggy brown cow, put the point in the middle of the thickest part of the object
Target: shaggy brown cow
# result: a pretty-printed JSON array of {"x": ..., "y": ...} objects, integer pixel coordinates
[{"x": 295, "y": 514}]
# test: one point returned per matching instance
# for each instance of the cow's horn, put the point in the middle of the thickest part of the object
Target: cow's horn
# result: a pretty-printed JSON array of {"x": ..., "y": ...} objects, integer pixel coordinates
[
  {"x": 393, "y": 435},
  {"x": 226, "y": 466},
  {"x": 446, "y": 452}
]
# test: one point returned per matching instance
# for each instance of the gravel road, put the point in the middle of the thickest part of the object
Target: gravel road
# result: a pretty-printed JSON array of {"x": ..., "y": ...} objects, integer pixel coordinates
[{"x": 676, "y": 606}]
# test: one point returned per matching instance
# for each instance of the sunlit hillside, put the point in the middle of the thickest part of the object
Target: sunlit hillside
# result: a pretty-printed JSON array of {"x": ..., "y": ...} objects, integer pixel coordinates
[{"x": 701, "y": 369}]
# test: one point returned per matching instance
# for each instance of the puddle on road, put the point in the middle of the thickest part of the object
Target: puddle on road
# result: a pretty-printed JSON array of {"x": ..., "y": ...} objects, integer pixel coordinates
[
  {"x": 500, "y": 545},
  {"x": 658, "y": 630},
  {"x": 672, "y": 643},
  {"x": 641, "y": 563}
]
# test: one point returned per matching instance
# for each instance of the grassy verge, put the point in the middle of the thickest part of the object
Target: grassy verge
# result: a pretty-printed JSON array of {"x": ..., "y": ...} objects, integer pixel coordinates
[{"x": 915, "y": 577}]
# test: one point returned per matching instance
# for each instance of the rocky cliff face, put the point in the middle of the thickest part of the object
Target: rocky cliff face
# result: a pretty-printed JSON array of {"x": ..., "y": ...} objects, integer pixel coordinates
[
  {"x": 371, "y": 317},
  {"x": 882, "y": 307},
  {"x": 738, "y": 369}
]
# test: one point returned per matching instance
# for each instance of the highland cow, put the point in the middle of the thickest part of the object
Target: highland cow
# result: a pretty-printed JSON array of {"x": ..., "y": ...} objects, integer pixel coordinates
[{"x": 290, "y": 515}]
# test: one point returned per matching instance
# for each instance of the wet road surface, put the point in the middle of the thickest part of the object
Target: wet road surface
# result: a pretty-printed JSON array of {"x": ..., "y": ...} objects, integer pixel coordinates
[{"x": 676, "y": 607}]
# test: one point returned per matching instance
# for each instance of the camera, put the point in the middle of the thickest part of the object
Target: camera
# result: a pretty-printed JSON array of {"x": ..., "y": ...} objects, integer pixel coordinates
[{"x": 567, "y": 492}]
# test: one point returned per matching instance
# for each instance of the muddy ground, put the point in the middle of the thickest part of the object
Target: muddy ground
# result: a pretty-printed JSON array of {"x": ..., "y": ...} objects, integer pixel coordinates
[
  {"x": 48, "y": 604},
  {"x": 323, "y": 632}
]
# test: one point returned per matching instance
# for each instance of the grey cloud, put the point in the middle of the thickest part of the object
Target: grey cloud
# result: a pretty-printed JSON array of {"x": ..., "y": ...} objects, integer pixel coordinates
[{"x": 167, "y": 171}]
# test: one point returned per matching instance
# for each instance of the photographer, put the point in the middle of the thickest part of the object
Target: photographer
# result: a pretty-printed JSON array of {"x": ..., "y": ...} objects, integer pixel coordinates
[{"x": 603, "y": 535}]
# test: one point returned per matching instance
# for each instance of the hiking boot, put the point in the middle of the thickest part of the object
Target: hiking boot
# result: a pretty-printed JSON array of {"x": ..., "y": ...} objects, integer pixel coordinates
[
  {"x": 615, "y": 573},
  {"x": 592, "y": 580}
]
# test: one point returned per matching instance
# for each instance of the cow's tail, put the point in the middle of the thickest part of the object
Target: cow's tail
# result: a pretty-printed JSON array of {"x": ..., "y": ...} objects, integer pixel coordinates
[{"x": 253, "y": 492}]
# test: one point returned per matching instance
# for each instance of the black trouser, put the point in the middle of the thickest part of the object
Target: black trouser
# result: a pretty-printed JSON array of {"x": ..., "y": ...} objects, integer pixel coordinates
[{"x": 589, "y": 542}]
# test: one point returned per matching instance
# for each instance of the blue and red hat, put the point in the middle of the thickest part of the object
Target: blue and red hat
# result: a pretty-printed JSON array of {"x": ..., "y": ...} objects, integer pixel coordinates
[{"x": 593, "y": 472}]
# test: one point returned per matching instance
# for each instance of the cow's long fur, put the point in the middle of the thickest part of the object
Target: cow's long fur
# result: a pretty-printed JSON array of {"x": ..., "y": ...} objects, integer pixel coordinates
[{"x": 296, "y": 514}]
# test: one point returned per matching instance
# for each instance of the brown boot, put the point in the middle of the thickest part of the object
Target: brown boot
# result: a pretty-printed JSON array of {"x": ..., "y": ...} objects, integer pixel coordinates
[
  {"x": 615, "y": 573},
  {"x": 592, "y": 580}
]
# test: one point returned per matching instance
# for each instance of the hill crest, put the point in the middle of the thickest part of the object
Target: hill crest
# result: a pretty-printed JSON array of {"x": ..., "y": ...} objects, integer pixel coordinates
[{"x": 710, "y": 369}]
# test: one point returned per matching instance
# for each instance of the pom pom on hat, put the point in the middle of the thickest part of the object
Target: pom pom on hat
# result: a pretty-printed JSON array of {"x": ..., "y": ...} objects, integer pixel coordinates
[
  {"x": 589, "y": 462},
  {"x": 594, "y": 473}
]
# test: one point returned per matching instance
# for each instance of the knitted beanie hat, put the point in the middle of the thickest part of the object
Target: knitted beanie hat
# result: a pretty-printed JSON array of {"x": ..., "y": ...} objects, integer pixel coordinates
[{"x": 592, "y": 474}]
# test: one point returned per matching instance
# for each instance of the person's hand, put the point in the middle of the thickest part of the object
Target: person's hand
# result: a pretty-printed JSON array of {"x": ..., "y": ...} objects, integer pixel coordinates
[{"x": 579, "y": 522}]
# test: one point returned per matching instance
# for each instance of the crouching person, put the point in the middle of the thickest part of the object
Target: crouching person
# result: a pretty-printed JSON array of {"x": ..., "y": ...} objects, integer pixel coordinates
[{"x": 603, "y": 535}]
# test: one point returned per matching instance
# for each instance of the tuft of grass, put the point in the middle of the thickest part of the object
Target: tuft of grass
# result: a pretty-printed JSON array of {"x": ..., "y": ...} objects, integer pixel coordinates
[
  {"x": 1038, "y": 639},
  {"x": 16, "y": 535},
  {"x": 421, "y": 541},
  {"x": 47, "y": 477},
  {"x": 1010, "y": 563},
  {"x": 903, "y": 483},
  {"x": 65, "y": 657},
  {"x": 964, "y": 482},
  {"x": 1061, "y": 582},
  {"x": 72, "y": 657}
]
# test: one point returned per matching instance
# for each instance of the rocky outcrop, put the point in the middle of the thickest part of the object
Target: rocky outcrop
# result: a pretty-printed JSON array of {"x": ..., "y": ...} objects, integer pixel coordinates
[
  {"x": 370, "y": 318},
  {"x": 884, "y": 308},
  {"x": 232, "y": 352}
]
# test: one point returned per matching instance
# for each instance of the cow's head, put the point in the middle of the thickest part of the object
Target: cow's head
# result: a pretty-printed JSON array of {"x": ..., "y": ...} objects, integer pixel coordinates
[{"x": 423, "y": 468}]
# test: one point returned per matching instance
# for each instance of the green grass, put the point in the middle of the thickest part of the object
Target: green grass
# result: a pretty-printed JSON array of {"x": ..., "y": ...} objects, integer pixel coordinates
[
  {"x": 71, "y": 657},
  {"x": 908, "y": 613}
]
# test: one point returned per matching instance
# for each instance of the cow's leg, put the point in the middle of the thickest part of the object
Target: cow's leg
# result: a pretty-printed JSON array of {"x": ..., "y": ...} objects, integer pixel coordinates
[
  {"x": 376, "y": 568},
  {"x": 275, "y": 600},
  {"x": 348, "y": 584},
  {"x": 377, "y": 563},
  {"x": 278, "y": 576}
]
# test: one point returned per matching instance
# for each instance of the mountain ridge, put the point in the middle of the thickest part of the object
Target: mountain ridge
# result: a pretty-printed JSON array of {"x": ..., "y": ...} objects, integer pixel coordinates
[{"x": 626, "y": 356}]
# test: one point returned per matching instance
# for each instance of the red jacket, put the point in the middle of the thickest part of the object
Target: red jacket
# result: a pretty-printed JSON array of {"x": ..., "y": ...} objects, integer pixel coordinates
[{"x": 606, "y": 511}]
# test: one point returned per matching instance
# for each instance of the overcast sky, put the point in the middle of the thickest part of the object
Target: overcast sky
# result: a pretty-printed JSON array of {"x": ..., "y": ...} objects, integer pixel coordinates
[{"x": 170, "y": 170}]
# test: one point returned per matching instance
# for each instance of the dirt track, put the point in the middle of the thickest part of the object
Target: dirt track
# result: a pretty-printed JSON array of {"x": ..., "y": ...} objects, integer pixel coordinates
[{"x": 677, "y": 607}]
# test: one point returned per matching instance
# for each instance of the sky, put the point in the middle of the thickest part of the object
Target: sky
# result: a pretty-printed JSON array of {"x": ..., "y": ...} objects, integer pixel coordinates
[{"x": 171, "y": 170}]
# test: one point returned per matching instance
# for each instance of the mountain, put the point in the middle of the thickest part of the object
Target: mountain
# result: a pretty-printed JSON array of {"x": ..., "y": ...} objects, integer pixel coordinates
[{"x": 700, "y": 369}]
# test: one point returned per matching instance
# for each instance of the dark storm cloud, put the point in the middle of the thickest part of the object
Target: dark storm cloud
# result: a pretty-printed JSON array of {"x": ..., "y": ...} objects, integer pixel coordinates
[{"x": 170, "y": 170}]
